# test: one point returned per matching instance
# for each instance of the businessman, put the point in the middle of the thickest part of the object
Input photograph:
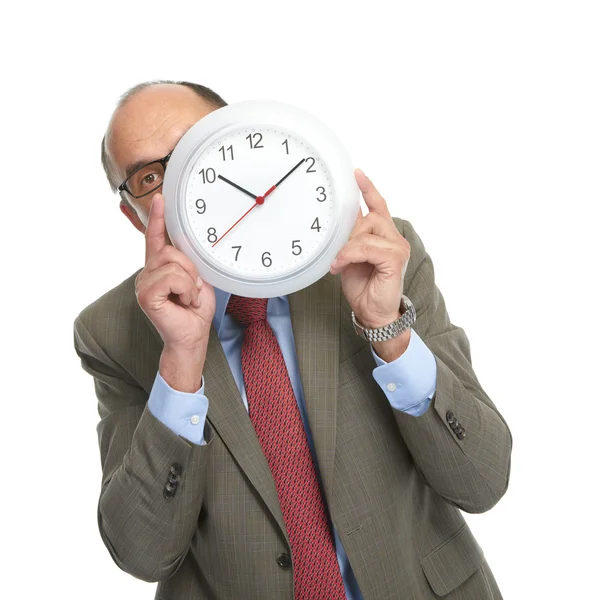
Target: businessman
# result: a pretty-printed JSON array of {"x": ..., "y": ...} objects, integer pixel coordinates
[{"x": 321, "y": 445}]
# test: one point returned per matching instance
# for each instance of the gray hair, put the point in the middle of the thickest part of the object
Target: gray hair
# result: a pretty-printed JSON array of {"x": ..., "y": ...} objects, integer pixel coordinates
[{"x": 109, "y": 168}]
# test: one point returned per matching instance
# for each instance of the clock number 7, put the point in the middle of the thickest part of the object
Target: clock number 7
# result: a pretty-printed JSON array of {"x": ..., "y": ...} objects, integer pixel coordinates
[{"x": 238, "y": 251}]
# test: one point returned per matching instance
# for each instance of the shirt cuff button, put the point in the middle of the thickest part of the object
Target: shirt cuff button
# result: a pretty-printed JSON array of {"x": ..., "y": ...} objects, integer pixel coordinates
[
  {"x": 195, "y": 419},
  {"x": 391, "y": 387}
]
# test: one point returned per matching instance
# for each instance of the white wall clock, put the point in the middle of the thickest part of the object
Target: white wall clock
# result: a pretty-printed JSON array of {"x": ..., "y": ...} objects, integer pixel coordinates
[{"x": 261, "y": 196}]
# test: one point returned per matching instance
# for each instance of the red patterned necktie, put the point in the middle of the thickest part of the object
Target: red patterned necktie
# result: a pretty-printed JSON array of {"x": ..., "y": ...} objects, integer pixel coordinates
[{"x": 274, "y": 412}]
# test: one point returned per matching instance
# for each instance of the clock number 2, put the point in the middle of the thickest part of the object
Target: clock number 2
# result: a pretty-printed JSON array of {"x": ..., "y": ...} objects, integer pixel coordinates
[{"x": 310, "y": 167}]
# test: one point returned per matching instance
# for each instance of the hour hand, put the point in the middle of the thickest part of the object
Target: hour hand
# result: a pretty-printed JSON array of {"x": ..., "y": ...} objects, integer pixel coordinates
[{"x": 235, "y": 185}]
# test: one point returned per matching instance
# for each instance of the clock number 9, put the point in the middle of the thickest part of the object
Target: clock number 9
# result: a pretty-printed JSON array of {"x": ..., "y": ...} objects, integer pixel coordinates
[
  {"x": 267, "y": 258},
  {"x": 322, "y": 192},
  {"x": 295, "y": 247},
  {"x": 208, "y": 176},
  {"x": 212, "y": 233},
  {"x": 201, "y": 209}
]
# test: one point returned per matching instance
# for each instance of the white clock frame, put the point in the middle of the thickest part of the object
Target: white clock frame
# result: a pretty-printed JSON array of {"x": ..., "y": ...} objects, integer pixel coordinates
[{"x": 260, "y": 113}]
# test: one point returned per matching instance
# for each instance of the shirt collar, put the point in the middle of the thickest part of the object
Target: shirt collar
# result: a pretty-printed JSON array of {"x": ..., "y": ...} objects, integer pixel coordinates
[{"x": 222, "y": 300}]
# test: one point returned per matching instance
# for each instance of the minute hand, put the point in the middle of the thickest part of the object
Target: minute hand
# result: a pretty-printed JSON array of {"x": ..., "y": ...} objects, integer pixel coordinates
[{"x": 289, "y": 173}]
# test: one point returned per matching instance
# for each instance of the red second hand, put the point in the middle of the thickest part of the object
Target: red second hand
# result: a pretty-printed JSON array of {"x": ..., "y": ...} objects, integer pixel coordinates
[{"x": 259, "y": 200}]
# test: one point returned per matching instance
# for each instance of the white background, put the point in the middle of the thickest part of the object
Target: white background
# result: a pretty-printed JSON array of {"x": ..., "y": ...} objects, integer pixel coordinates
[{"x": 478, "y": 122}]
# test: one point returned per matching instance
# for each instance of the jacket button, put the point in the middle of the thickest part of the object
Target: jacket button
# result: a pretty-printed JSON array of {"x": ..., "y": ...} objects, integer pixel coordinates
[
  {"x": 171, "y": 487},
  {"x": 461, "y": 435},
  {"x": 176, "y": 469},
  {"x": 284, "y": 560},
  {"x": 167, "y": 494},
  {"x": 450, "y": 417},
  {"x": 174, "y": 479}
]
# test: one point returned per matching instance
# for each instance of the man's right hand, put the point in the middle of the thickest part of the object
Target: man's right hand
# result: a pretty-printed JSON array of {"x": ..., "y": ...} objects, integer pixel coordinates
[{"x": 170, "y": 292}]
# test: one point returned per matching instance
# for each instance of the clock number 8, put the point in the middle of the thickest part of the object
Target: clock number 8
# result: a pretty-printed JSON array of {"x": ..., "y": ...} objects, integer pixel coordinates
[{"x": 212, "y": 233}]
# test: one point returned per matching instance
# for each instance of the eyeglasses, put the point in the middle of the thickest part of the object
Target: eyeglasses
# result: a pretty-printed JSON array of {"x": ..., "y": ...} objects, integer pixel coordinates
[{"x": 146, "y": 179}]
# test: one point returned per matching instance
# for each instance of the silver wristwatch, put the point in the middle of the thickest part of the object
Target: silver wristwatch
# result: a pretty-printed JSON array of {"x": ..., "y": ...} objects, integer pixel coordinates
[{"x": 408, "y": 315}]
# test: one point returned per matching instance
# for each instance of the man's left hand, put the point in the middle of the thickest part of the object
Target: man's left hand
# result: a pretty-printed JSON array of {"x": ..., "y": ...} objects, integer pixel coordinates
[{"x": 373, "y": 262}]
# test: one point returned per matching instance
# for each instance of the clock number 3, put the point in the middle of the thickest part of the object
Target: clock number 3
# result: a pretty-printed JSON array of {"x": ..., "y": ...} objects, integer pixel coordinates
[{"x": 321, "y": 191}]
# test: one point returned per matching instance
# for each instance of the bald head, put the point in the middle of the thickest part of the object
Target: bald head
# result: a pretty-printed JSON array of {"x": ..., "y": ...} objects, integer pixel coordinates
[{"x": 146, "y": 126}]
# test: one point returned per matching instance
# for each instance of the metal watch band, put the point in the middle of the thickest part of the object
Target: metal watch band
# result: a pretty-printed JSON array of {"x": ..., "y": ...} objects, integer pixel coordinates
[{"x": 407, "y": 317}]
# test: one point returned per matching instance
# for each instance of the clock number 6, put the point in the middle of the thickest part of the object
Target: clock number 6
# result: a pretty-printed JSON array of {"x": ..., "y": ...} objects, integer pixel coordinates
[{"x": 267, "y": 258}]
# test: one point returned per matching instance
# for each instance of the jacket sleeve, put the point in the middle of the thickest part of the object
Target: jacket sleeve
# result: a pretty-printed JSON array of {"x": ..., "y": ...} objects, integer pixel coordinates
[
  {"x": 461, "y": 445},
  {"x": 146, "y": 530}
]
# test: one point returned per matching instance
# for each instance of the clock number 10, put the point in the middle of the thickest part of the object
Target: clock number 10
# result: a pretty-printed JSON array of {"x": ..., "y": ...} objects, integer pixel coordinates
[{"x": 208, "y": 175}]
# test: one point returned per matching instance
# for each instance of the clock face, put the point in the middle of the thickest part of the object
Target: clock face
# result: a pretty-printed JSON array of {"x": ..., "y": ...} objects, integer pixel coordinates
[
  {"x": 280, "y": 218},
  {"x": 261, "y": 196}
]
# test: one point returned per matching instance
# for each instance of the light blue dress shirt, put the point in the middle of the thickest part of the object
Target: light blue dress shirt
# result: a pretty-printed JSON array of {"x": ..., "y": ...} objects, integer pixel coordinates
[{"x": 408, "y": 382}]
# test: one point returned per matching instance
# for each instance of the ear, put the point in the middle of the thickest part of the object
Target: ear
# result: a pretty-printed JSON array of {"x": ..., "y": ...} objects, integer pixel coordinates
[{"x": 132, "y": 216}]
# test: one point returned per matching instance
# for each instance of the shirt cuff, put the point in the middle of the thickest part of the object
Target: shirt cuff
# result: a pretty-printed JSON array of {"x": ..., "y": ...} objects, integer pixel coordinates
[
  {"x": 182, "y": 412},
  {"x": 409, "y": 381}
]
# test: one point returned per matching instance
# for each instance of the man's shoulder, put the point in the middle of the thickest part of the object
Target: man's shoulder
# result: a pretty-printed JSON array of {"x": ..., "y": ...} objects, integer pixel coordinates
[{"x": 112, "y": 309}]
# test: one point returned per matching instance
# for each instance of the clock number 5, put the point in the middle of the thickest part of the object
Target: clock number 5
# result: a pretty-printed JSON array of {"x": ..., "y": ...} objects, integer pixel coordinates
[{"x": 295, "y": 247}]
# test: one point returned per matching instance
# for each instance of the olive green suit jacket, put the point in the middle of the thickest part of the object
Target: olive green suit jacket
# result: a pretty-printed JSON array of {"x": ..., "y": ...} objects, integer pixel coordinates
[{"x": 394, "y": 484}]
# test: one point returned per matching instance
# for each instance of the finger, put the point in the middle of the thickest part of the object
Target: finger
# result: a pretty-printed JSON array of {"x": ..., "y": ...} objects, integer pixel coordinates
[
  {"x": 378, "y": 225},
  {"x": 373, "y": 199},
  {"x": 170, "y": 254},
  {"x": 156, "y": 287},
  {"x": 155, "y": 230},
  {"x": 368, "y": 248}
]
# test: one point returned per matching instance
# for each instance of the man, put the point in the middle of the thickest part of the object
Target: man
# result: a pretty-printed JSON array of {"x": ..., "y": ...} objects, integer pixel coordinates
[{"x": 262, "y": 449}]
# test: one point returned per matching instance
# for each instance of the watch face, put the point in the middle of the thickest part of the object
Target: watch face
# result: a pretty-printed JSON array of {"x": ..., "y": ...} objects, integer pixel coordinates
[
  {"x": 261, "y": 196},
  {"x": 243, "y": 235}
]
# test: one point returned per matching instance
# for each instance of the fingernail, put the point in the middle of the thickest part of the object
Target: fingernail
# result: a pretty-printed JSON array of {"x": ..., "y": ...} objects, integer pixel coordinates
[{"x": 198, "y": 282}]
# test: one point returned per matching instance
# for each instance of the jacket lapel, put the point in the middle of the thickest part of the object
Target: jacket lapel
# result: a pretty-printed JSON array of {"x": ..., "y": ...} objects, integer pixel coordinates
[{"x": 315, "y": 313}]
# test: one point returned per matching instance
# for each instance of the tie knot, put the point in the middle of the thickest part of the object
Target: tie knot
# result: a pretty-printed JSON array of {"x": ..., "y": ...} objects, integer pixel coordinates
[{"x": 247, "y": 310}]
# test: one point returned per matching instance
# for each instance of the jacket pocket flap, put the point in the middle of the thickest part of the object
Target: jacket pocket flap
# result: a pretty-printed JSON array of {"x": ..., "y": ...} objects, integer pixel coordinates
[{"x": 453, "y": 562}]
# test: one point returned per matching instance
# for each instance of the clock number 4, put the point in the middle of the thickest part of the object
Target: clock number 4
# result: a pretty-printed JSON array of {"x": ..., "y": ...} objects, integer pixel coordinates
[
  {"x": 316, "y": 225},
  {"x": 254, "y": 143}
]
